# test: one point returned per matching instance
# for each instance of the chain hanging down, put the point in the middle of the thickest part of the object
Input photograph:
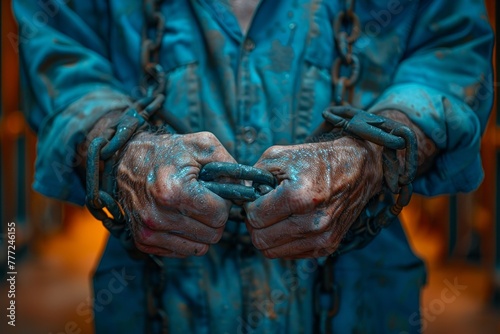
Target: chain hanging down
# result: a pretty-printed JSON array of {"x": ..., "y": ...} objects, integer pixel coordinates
[
  {"x": 101, "y": 188},
  {"x": 153, "y": 83},
  {"x": 346, "y": 68},
  {"x": 345, "y": 120}
]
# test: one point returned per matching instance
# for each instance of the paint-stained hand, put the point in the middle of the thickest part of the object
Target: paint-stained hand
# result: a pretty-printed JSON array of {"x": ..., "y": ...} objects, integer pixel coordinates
[
  {"x": 322, "y": 189},
  {"x": 171, "y": 213}
]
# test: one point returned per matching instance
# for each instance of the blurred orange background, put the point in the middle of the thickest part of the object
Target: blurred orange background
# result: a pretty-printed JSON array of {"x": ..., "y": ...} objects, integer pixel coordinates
[{"x": 58, "y": 245}]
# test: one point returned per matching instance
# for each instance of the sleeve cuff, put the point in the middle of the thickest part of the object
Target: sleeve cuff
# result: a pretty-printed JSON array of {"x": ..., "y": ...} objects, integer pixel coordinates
[
  {"x": 57, "y": 155},
  {"x": 454, "y": 128}
]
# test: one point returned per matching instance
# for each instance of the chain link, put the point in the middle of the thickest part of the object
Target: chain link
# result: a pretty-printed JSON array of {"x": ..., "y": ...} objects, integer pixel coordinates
[
  {"x": 262, "y": 181},
  {"x": 154, "y": 285},
  {"x": 346, "y": 28},
  {"x": 153, "y": 81}
]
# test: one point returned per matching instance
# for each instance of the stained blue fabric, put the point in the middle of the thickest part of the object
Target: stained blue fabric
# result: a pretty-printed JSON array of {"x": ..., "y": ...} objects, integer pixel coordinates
[{"x": 428, "y": 59}]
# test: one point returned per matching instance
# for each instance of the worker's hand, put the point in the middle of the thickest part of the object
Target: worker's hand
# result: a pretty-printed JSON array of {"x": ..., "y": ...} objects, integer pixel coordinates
[
  {"x": 323, "y": 187},
  {"x": 171, "y": 213}
]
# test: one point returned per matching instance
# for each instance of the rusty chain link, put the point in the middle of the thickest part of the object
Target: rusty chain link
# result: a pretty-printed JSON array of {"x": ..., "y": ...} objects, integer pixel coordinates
[
  {"x": 346, "y": 28},
  {"x": 153, "y": 81}
]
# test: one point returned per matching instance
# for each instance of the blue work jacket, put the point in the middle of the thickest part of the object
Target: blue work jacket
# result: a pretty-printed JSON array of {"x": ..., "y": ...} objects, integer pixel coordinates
[{"x": 428, "y": 59}]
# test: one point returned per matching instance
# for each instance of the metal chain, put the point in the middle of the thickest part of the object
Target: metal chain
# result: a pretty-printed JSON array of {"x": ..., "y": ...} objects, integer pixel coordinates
[
  {"x": 154, "y": 285},
  {"x": 153, "y": 81},
  {"x": 393, "y": 136},
  {"x": 153, "y": 84},
  {"x": 360, "y": 124},
  {"x": 101, "y": 192},
  {"x": 262, "y": 181},
  {"x": 346, "y": 68},
  {"x": 377, "y": 214}
]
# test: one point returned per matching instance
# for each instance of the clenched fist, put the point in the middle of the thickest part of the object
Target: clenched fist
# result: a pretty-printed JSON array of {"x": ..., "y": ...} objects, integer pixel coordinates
[
  {"x": 171, "y": 213},
  {"x": 323, "y": 187}
]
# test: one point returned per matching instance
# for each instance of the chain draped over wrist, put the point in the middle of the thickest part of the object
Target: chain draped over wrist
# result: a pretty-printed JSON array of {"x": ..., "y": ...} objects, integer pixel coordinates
[
  {"x": 101, "y": 187},
  {"x": 392, "y": 136}
]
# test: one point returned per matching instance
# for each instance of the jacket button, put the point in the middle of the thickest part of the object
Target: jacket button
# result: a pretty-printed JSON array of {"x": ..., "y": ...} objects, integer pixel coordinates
[
  {"x": 249, "y": 134},
  {"x": 249, "y": 45}
]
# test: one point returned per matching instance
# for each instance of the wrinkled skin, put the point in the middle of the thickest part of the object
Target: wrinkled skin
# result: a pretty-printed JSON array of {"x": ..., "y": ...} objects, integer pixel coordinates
[
  {"x": 322, "y": 189},
  {"x": 171, "y": 213}
]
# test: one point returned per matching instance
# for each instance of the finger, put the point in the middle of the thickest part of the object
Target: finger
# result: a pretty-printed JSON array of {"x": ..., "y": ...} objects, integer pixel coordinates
[
  {"x": 293, "y": 228},
  {"x": 272, "y": 207},
  {"x": 185, "y": 195},
  {"x": 159, "y": 251},
  {"x": 175, "y": 223},
  {"x": 295, "y": 193},
  {"x": 289, "y": 198},
  {"x": 268, "y": 209},
  {"x": 203, "y": 205},
  {"x": 322, "y": 244},
  {"x": 207, "y": 148},
  {"x": 148, "y": 240},
  {"x": 273, "y": 153}
]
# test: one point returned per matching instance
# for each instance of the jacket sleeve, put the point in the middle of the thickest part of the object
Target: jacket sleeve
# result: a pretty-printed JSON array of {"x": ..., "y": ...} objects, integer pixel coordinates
[
  {"x": 444, "y": 85},
  {"x": 67, "y": 85}
]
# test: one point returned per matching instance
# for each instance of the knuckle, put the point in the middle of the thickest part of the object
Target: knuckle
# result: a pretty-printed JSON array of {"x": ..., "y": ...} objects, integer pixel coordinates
[
  {"x": 207, "y": 136},
  {"x": 318, "y": 224},
  {"x": 274, "y": 151},
  {"x": 218, "y": 217},
  {"x": 321, "y": 251},
  {"x": 165, "y": 195},
  {"x": 258, "y": 241},
  {"x": 216, "y": 236},
  {"x": 254, "y": 220},
  {"x": 324, "y": 242},
  {"x": 334, "y": 240},
  {"x": 325, "y": 245}
]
